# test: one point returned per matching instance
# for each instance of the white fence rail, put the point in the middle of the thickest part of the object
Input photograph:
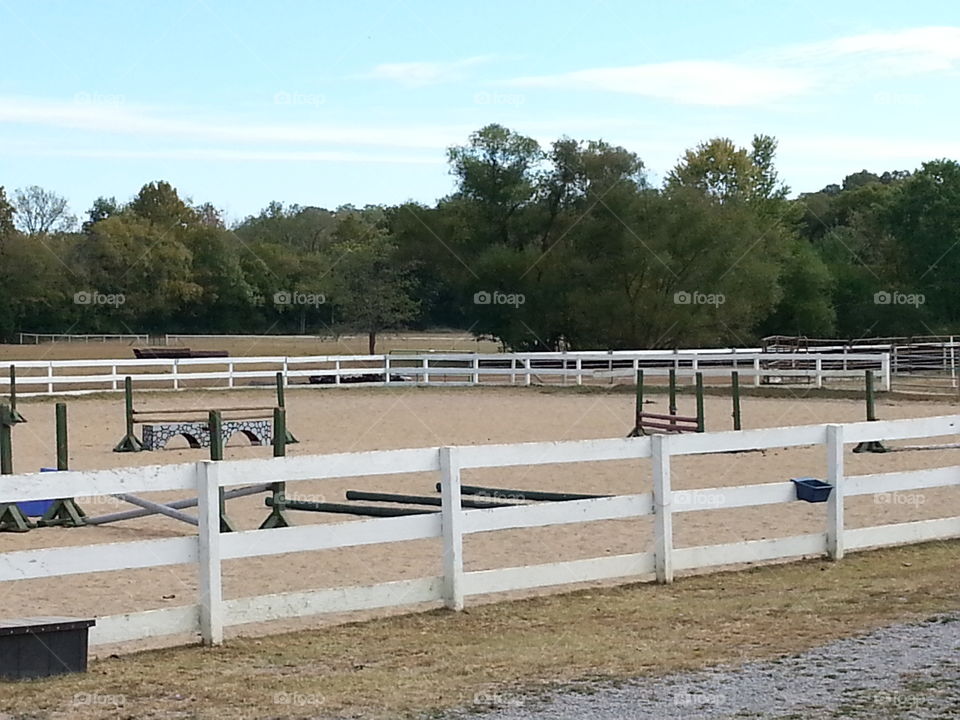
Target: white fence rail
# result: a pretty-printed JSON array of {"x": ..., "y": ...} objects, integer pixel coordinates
[
  {"x": 208, "y": 548},
  {"x": 64, "y": 377}
]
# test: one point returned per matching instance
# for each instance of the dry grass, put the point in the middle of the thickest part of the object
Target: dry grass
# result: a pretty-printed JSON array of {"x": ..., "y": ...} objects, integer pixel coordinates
[{"x": 423, "y": 663}]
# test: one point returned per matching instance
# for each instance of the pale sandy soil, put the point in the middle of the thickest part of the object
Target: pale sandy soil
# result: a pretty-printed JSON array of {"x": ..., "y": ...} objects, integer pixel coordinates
[{"x": 347, "y": 419}]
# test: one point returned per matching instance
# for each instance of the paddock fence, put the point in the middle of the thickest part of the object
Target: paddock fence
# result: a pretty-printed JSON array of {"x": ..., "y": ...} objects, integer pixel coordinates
[
  {"x": 66, "y": 377},
  {"x": 209, "y": 549}
]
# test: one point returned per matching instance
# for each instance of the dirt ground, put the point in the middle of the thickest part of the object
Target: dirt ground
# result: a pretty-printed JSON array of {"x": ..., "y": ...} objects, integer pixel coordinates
[{"x": 352, "y": 419}]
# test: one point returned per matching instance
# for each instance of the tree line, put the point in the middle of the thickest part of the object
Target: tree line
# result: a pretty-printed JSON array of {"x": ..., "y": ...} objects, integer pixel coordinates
[{"x": 543, "y": 248}]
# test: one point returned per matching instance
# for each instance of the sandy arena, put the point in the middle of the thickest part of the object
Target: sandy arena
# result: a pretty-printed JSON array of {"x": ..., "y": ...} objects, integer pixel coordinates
[{"x": 352, "y": 419}]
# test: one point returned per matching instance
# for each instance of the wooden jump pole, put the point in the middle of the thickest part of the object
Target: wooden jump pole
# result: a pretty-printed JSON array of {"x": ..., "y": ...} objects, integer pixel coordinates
[
  {"x": 423, "y": 500},
  {"x": 16, "y": 416},
  {"x": 700, "y": 414},
  {"x": 735, "y": 385},
  {"x": 176, "y": 505},
  {"x": 278, "y": 496},
  {"x": 343, "y": 508},
  {"x": 673, "y": 391},
  {"x": 215, "y": 426},
  {"x": 872, "y": 446},
  {"x": 289, "y": 439},
  {"x": 524, "y": 494},
  {"x": 63, "y": 511},
  {"x": 638, "y": 409},
  {"x": 11, "y": 519},
  {"x": 130, "y": 442}
]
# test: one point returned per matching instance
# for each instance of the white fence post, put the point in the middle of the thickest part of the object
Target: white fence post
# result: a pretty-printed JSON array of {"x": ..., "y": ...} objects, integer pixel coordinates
[
  {"x": 211, "y": 585},
  {"x": 885, "y": 371},
  {"x": 819, "y": 371},
  {"x": 579, "y": 371},
  {"x": 451, "y": 516},
  {"x": 336, "y": 366},
  {"x": 386, "y": 369},
  {"x": 476, "y": 369},
  {"x": 425, "y": 379},
  {"x": 230, "y": 373},
  {"x": 756, "y": 372},
  {"x": 662, "y": 508},
  {"x": 835, "y": 527},
  {"x": 50, "y": 378},
  {"x": 176, "y": 378}
]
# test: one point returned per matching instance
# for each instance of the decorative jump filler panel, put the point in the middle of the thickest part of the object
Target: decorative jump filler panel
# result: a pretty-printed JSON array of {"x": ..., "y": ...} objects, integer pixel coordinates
[{"x": 155, "y": 437}]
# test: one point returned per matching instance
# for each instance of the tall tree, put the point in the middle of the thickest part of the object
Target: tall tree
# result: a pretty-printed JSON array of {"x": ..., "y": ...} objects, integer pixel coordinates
[{"x": 39, "y": 211}]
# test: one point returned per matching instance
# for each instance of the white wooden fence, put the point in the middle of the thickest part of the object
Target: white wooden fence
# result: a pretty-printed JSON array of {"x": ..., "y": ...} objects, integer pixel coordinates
[
  {"x": 65, "y": 377},
  {"x": 208, "y": 549}
]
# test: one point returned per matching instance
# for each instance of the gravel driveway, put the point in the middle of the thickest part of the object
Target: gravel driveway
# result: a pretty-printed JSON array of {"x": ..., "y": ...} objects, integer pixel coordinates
[{"x": 903, "y": 671}]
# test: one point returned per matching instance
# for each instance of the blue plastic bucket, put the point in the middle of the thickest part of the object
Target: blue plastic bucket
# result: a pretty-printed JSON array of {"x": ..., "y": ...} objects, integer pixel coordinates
[{"x": 36, "y": 508}]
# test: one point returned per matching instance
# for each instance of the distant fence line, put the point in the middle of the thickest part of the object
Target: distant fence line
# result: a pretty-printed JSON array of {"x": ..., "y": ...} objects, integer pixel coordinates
[
  {"x": 52, "y": 377},
  {"x": 207, "y": 550}
]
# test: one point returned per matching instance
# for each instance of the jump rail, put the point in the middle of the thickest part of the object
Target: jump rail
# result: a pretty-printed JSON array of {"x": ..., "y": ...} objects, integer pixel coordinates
[{"x": 208, "y": 548}]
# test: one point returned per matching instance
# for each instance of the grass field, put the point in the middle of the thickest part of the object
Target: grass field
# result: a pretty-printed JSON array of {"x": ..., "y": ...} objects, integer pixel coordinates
[{"x": 413, "y": 665}]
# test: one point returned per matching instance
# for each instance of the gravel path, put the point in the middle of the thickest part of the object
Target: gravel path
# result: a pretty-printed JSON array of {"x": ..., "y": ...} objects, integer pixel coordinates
[{"x": 903, "y": 672}]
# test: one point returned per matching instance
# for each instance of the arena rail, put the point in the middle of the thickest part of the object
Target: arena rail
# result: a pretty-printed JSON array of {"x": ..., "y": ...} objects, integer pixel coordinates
[
  {"x": 208, "y": 549},
  {"x": 78, "y": 377}
]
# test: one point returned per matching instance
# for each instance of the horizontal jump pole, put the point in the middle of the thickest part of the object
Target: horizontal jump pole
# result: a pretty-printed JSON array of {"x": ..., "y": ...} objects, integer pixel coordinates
[
  {"x": 240, "y": 408},
  {"x": 176, "y": 505},
  {"x": 525, "y": 494},
  {"x": 667, "y": 426},
  {"x": 158, "y": 508},
  {"x": 199, "y": 420},
  {"x": 678, "y": 418},
  {"x": 422, "y": 500},
  {"x": 341, "y": 508}
]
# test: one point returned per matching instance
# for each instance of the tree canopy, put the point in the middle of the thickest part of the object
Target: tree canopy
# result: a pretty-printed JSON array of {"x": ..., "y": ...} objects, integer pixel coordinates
[{"x": 540, "y": 247}]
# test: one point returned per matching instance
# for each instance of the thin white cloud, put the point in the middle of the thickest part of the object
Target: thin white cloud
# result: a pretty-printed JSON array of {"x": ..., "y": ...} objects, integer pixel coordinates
[
  {"x": 905, "y": 52},
  {"x": 688, "y": 82},
  {"x": 420, "y": 74},
  {"x": 773, "y": 75},
  {"x": 125, "y": 120}
]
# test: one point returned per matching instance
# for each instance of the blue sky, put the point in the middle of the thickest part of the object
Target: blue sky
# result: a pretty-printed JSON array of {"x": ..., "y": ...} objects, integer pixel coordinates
[{"x": 325, "y": 103}]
